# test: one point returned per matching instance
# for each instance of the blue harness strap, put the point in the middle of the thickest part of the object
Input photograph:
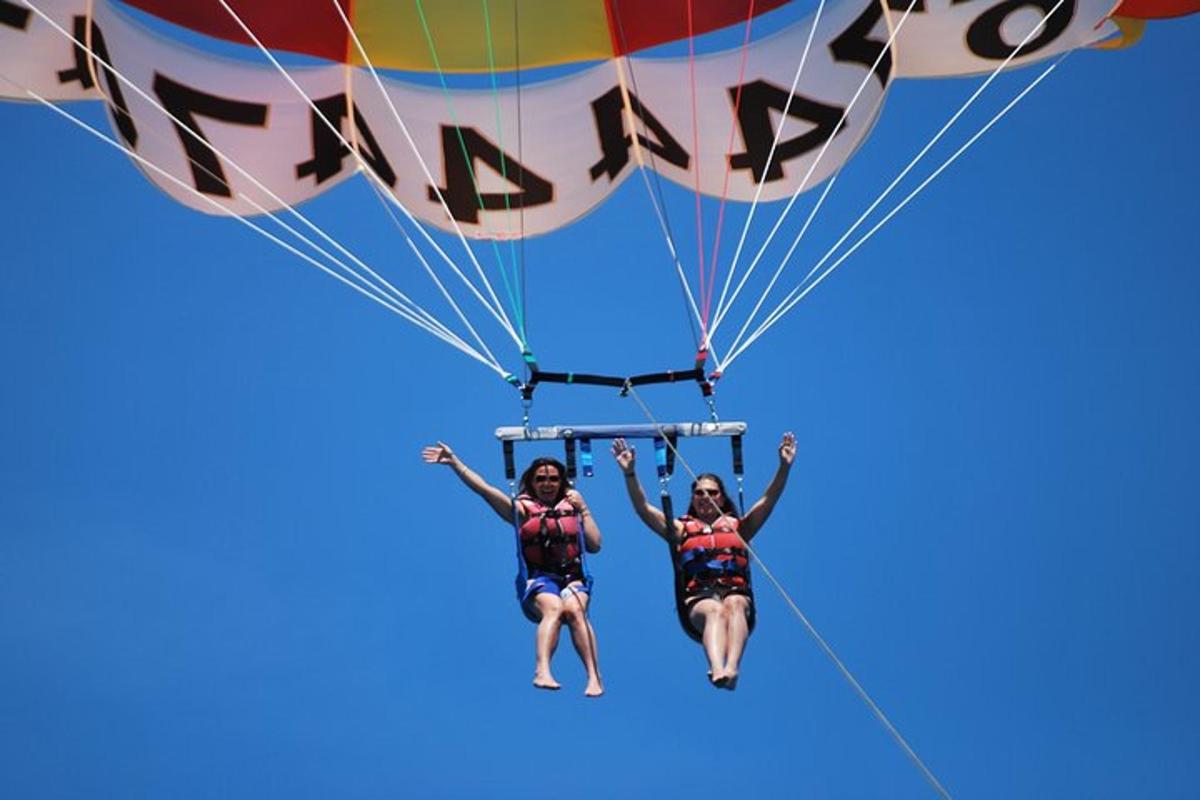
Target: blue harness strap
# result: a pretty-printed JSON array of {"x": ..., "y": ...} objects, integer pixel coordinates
[
  {"x": 585, "y": 457},
  {"x": 522, "y": 571}
]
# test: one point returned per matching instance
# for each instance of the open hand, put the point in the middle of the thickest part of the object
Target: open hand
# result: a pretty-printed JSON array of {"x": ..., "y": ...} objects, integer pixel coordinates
[
  {"x": 439, "y": 453},
  {"x": 626, "y": 456}
]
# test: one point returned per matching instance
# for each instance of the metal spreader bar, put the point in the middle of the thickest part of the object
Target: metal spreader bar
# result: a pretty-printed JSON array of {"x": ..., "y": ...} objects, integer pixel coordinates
[
  {"x": 664, "y": 437},
  {"x": 517, "y": 433}
]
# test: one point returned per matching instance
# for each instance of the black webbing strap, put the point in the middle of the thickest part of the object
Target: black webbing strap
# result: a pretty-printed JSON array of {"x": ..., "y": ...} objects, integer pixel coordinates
[
  {"x": 537, "y": 376},
  {"x": 677, "y": 576},
  {"x": 569, "y": 444},
  {"x": 510, "y": 467}
]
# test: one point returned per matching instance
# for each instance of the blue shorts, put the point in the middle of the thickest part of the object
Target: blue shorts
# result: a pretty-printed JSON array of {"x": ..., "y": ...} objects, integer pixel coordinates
[{"x": 548, "y": 583}]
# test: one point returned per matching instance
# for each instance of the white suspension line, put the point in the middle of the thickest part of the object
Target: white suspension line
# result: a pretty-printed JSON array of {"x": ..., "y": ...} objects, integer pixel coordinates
[
  {"x": 237, "y": 167},
  {"x": 779, "y": 270},
  {"x": 820, "y": 640},
  {"x": 384, "y": 301},
  {"x": 498, "y": 313},
  {"x": 887, "y": 48},
  {"x": 793, "y": 298},
  {"x": 936, "y": 138},
  {"x": 658, "y": 211},
  {"x": 770, "y": 157},
  {"x": 497, "y": 309},
  {"x": 687, "y": 289},
  {"x": 432, "y": 275}
]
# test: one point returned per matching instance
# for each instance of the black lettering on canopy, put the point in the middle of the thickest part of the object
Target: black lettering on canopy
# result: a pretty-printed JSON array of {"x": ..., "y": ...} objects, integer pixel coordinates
[
  {"x": 610, "y": 116},
  {"x": 984, "y": 36},
  {"x": 460, "y": 193},
  {"x": 902, "y": 5},
  {"x": 185, "y": 104},
  {"x": 329, "y": 154},
  {"x": 754, "y": 119},
  {"x": 13, "y": 16},
  {"x": 81, "y": 73},
  {"x": 855, "y": 45}
]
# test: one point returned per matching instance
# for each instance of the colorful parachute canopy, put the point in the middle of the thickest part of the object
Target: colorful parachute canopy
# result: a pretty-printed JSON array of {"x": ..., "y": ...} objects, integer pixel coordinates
[
  {"x": 397, "y": 35},
  {"x": 511, "y": 161}
]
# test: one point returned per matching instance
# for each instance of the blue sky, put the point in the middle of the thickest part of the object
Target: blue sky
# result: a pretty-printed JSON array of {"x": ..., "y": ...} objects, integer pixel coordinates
[{"x": 225, "y": 572}]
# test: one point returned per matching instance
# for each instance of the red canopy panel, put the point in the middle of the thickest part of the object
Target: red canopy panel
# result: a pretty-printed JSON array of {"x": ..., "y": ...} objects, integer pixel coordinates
[
  {"x": 638, "y": 24},
  {"x": 307, "y": 26},
  {"x": 1156, "y": 9},
  {"x": 313, "y": 27}
]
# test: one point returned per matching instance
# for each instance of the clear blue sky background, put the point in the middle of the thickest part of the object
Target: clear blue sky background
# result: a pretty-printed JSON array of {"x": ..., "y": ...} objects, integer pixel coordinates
[{"x": 224, "y": 571}]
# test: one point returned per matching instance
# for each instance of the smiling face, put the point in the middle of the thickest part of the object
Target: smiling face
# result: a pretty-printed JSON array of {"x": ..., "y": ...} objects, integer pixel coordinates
[
  {"x": 546, "y": 483},
  {"x": 707, "y": 499}
]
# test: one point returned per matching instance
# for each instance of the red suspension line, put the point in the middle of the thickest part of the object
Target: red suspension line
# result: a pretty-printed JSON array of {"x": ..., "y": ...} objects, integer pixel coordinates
[{"x": 737, "y": 103}]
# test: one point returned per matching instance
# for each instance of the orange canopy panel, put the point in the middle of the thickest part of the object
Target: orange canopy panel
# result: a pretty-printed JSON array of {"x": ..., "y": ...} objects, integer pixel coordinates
[
  {"x": 1156, "y": 9},
  {"x": 460, "y": 35}
]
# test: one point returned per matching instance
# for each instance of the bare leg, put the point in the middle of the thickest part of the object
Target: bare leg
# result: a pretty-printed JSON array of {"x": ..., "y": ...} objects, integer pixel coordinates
[
  {"x": 583, "y": 636},
  {"x": 708, "y": 615},
  {"x": 548, "y": 627},
  {"x": 737, "y": 627}
]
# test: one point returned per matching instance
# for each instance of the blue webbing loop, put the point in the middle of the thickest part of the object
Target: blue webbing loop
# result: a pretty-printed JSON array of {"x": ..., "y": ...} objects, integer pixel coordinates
[
  {"x": 660, "y": 456},
  {"x": 522, "y": 573},
  {"x": 585, "y": 457}
]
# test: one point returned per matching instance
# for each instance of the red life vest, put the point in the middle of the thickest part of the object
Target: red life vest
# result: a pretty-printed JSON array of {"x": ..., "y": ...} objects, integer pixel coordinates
[
  {"x": 550, "y": 538},
  {"x": 712, "y": 555}
]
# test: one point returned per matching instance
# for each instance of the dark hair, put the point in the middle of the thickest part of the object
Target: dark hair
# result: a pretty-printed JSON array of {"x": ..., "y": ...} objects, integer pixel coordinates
[
  {"x": 726, "y": 504},
  {"x": 538, "y": 463}
]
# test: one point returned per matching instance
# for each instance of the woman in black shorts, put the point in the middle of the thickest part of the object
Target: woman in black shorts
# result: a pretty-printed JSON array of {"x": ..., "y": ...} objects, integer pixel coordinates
[{"x": 712, "y": 564}]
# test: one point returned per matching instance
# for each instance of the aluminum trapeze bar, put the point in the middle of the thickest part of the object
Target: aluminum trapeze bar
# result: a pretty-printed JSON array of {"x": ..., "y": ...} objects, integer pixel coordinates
[{"x": 516, "y": 433}]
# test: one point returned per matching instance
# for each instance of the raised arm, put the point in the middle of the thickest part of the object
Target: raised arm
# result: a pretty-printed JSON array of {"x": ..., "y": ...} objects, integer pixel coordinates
[
  {"x": 441, "y": 453},
  {"x": 762, "y": 508},
  {"x": 627, "y": 460}
]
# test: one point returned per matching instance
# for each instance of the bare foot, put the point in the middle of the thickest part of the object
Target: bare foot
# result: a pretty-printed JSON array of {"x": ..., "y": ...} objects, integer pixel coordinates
[
  {"x": 546, "y": 681},
  {"x": 594, "y": 689}
]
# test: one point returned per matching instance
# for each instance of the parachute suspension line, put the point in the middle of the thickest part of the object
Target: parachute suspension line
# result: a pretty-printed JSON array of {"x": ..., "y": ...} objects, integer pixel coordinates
[
  {"x": 658, "y": 203},
  {"x": 468, "y": 161},
  {"x": 496, "y": 310},
  {"x": 787, "y": 256},
  {"x": 770, "y": 159},
  {"x": 870, "y": 74},
  {"x": 791, "y": 300},
  {"x": 657, "y": 200},
  {"x": 820, "y": 640},
  {"x": 696, "y": 164},
  {"x": 429, "y": 271},
  {"x": 391, "y": 290},
  {"x": 794, "y": 298},
  {"x": 514, "y": 293},
  {"x": 365, "y": 167},
  {"x": 383, "y": 300},
  {"x": 521, "y": 176},
  {"x": 733, "y": 122},
  {"x": 391, "y": 212}
]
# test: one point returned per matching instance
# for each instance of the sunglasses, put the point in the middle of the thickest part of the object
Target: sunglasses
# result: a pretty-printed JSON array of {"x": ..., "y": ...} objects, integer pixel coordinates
[
  {"x": 706, "y": 492},
  {"x": 546, "y": 479}
]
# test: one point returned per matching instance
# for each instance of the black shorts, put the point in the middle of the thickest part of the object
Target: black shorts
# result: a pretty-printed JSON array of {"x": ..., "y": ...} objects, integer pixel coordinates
[{"x": 686, "y": 599}]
